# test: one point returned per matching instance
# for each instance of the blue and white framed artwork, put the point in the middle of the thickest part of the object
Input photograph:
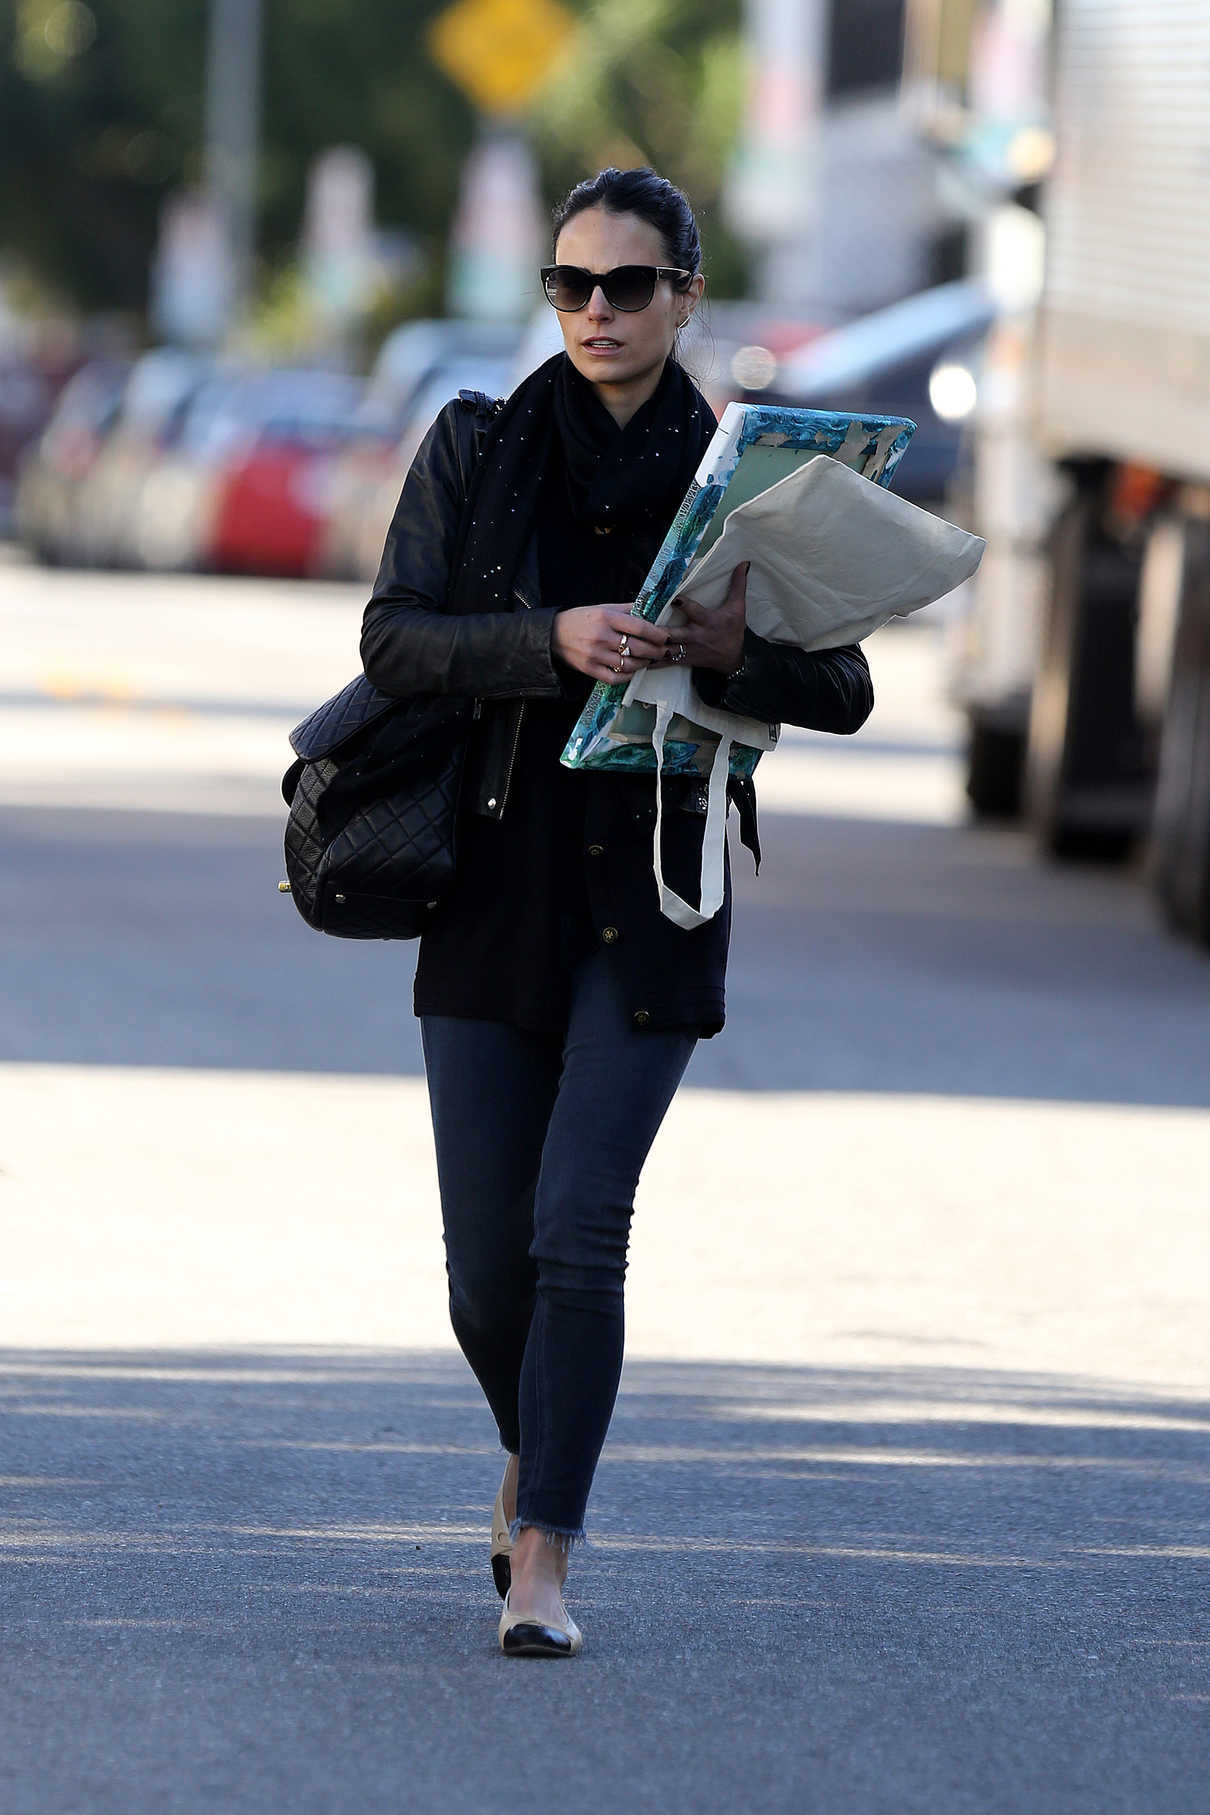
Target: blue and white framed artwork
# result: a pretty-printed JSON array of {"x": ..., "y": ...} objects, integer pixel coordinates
[{"x": 754, "y": 446}]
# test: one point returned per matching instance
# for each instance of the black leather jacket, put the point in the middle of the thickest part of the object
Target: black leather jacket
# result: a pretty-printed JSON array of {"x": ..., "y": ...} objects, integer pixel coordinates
[{"x": 411, "y": 644}]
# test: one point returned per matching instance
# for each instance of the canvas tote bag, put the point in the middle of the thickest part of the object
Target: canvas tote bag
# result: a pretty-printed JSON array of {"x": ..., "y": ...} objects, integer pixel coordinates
[{"x": 833, "y": 557}]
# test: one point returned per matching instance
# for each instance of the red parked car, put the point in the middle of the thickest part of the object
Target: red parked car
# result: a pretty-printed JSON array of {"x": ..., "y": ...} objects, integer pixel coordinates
[
  {"x": 54, "y": 468},
  {"x": 273, "y": 498}
]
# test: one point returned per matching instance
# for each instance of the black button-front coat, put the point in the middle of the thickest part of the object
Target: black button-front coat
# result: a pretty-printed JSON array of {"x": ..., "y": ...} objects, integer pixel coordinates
[{"x": 476, "y": 964}]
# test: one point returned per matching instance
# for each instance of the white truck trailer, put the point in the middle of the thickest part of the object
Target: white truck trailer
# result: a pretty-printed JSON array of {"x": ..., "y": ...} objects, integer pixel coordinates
[{"x": 1086, "y": 662}]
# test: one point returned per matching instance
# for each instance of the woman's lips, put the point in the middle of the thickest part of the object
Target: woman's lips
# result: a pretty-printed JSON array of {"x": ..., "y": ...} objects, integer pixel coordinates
[{"x": 602, "y": 346}]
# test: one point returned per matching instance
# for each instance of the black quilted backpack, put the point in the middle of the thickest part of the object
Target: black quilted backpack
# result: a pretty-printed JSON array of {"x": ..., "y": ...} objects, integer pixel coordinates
[{"x": 373, "y": 799}]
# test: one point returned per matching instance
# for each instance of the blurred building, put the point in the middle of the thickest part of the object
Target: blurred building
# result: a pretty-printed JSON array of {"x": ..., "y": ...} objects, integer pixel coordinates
[{"x": 831, "y": 185}]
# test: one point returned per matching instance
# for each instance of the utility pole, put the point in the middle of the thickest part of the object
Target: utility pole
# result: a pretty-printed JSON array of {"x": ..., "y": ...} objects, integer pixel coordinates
[
  {"x": 772, "y": 192},
  {"x": 232, "y": 118}
]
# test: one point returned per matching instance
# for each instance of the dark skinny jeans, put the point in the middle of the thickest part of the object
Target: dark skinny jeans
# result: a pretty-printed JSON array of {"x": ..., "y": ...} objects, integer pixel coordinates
[{"x": 540, "y": 1142}]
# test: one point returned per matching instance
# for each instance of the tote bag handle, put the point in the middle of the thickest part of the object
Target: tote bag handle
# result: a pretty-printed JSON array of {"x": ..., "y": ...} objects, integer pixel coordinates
[{"x": 672, "y": 905}]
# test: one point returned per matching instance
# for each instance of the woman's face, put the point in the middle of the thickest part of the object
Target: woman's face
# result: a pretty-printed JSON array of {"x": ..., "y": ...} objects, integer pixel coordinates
[{"x": 610, "y": 347}]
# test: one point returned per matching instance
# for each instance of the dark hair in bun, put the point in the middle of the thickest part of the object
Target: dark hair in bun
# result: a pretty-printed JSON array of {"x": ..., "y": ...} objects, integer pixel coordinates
[{"x": 653, "y": 198}]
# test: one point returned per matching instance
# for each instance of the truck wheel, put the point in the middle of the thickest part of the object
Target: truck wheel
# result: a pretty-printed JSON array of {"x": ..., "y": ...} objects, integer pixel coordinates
[
  {"x": 1180, "y": 845},
  {"x": 1087, "y": 790},
  {"x": 995, "y": 768}
]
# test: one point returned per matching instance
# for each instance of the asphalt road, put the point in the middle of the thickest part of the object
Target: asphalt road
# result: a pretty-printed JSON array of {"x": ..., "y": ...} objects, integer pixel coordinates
[{"x": 904, "y": 1507}]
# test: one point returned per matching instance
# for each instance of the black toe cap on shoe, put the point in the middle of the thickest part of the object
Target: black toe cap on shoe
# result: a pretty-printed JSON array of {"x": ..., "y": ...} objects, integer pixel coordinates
[{"x": 530, "y": 1639}]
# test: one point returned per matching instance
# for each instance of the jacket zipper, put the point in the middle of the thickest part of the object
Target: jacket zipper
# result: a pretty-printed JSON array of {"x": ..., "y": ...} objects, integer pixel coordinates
[{"x": 512, "y": 757}]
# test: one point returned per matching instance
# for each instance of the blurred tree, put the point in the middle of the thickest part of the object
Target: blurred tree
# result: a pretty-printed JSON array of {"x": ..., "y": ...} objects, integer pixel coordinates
[
  {"x": 656, "y": 82},
  {"x": 88, "y": 141},
  {"x": 101, "y": 118}
]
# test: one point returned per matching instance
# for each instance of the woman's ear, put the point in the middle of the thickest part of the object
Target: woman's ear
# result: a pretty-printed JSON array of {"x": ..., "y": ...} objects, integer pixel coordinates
[{"x": 692, "y": 295}]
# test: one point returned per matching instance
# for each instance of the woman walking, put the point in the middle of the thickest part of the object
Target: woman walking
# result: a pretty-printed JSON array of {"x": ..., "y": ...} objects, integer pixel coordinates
[{"x": 558, "y": 1007}]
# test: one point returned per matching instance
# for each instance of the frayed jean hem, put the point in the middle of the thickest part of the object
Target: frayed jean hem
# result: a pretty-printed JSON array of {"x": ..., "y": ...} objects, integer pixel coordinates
[{"x": 559, "y": 1537}]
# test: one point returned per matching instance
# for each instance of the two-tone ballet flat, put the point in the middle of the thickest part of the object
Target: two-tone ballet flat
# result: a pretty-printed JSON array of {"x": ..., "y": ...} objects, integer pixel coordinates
[
  {"x": 522, "y": 1636},
  {"x": 502, "y": 1546}
]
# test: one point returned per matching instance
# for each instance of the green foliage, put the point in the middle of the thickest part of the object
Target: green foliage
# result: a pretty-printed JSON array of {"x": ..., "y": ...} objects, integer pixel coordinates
[
  {"x": 91, "y": 143},
  {"x": 360, "y": 74},
  {"x": 101, "y": 118},
  {"x": 88, "y": 143},
  {"x": 656, "y": 82}
]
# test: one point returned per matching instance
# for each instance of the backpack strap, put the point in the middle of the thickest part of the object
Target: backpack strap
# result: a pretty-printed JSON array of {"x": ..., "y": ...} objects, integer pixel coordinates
[{"x": 486, "y": 409}]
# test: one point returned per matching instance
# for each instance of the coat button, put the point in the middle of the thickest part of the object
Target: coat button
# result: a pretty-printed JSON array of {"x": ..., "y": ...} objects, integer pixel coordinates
[
  {"x": 492, "y": 801},
  {"x": 610, "y": 935},
  {"x": 596, "y": 850},
  {"x": 641, "y": 1018}
]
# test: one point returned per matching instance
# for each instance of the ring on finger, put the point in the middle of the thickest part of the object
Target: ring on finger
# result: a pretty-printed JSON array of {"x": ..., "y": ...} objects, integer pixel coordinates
[
  {"x": 624, "y": 647},
  {"x": 678, "y": 654}
]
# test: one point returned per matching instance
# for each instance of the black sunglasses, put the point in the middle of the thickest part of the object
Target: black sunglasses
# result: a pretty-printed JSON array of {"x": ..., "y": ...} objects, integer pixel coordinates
[{"x": 627, "y": 288}]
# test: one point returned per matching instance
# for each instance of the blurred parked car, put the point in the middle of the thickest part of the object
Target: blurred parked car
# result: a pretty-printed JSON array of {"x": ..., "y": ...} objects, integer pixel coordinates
[
  {"x": 274, "y": 495},
  {"x": 153, "y": 405},
  {"x": 411, "y": 360},
  {"x": 918, "y": 358},
  {"x": 368, "y": 480},
  {"x": 54, "y": 468},
  {"x": 356, "y": 477},
  {"x": 733, "y": 349},
  {"x": 28, "y": 390},
  {"x": 172, "y": 511},
  {"x": 412, "y": 352},
  {"x": 175, "y": 509}
]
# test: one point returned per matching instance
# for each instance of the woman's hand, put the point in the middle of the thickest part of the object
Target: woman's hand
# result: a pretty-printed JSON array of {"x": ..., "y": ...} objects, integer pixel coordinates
[
  {"x": 712, "y": 639},
  {"x": 607, "y": 642}
]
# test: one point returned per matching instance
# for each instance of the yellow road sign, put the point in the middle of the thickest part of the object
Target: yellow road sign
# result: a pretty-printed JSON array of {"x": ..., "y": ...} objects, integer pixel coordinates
[{"x": 500, "y": 51}]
